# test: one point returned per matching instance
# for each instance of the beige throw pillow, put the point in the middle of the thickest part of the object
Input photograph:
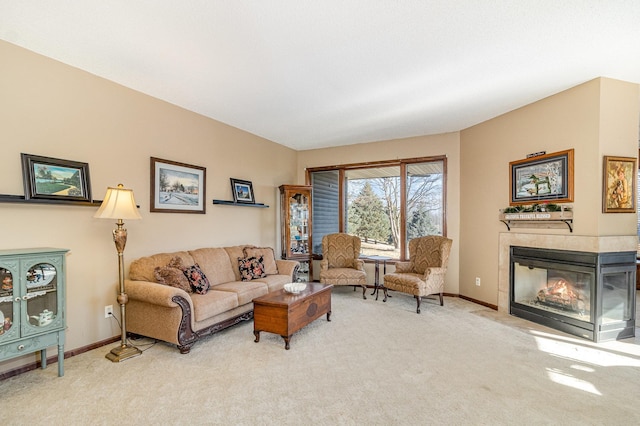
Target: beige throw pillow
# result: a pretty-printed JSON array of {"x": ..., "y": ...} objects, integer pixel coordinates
[{"x": 173, "y": 277}]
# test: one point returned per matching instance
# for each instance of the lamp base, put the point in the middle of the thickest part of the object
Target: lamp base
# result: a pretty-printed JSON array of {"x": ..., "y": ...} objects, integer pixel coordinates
[{"x": 123, "y": 352}]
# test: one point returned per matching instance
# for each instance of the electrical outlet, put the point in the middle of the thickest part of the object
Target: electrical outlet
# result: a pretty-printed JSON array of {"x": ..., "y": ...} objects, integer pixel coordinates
[
  {"x": 108, "y": 311},
  {"x": 478, "y": 281}
]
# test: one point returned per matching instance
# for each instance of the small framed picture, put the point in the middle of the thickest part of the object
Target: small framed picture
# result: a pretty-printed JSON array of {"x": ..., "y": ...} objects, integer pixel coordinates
[
  {"x": 55, "y": 179},
  {"x": 619, "y": 185},
  {"x": 242, "y": 191},
  {"x": 177, "y": 187}
]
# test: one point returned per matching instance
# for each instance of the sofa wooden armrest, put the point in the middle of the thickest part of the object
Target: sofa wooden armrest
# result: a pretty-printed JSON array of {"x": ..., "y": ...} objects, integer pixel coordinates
[{"x": 160, "y": 312}]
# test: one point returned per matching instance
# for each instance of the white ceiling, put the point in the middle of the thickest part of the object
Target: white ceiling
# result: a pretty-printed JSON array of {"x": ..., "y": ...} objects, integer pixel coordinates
[{"x": 318, "y": 73}]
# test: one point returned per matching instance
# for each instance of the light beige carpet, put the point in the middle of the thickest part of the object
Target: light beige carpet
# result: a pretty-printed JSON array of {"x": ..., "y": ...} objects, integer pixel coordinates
[{"x": 375, "y": 363}]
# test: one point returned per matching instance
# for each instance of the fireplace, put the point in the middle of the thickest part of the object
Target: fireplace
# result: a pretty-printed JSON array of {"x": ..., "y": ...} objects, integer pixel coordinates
[{"x": 591, "y": 295}]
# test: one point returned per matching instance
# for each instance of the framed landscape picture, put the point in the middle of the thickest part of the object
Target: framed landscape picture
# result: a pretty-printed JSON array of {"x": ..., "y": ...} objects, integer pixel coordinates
[
  {"x": 547, "y": 177},
  {"x": 55, "y": 179},
  {"x": 242, "y": 191},
  {"x": 177, "y": 187},
  {"x": 619, "y": 185}
]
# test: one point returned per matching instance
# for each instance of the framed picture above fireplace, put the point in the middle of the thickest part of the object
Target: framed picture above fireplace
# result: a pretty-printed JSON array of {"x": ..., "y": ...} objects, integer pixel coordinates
[
  {"x": 544, "y": 178},
  {"x": 619, "y": 185}
]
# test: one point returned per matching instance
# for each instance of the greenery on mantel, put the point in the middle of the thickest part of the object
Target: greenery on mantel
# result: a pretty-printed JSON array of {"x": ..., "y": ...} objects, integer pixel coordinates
[
  {"x": 547, "y": 214},
  {"x": 542, "y": 207}
]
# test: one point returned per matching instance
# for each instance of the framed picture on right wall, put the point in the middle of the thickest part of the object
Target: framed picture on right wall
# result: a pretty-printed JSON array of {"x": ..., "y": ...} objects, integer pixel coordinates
[{"x": 619, "y": 185}]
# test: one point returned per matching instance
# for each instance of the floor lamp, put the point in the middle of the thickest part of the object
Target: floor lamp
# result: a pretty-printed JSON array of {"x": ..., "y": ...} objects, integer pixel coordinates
[{"x": 119, "y": 204}]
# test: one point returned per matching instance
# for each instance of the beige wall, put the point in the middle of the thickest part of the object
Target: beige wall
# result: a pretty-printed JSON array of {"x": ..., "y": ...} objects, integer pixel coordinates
[
  {"x": 597, "y": 118},
  {"x": 618, "y": 136},
  {"x": 50, "y": 109},
  {"x": 423, "y": 146}
]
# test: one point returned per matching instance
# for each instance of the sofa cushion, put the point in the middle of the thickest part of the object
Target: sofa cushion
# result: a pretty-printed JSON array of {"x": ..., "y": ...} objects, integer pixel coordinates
[
  {"x": 198, "y": 280},
  {"x": 268, "y": 258},
  {"x": 251, "y": 268},
  {"x": 143, "y": 269},
  {"x": 246, "y": 291},
  {"x": 215, "y": 263},
  {"x": 215, "y": 302},
  {"x": 275, "y": 282},
  {"x": 173, "y": 277}
]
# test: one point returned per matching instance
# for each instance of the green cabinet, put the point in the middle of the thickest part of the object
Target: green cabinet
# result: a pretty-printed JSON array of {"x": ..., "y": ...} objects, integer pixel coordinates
[{"x": 32, "y": 303}]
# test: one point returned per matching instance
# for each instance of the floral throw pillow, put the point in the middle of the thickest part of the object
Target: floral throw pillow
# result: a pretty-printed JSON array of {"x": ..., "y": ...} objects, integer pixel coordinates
[
  {"x": 197, "y": 279},
  {"x": 268, "y": 258},
  {"x": 251, "y": 268}
]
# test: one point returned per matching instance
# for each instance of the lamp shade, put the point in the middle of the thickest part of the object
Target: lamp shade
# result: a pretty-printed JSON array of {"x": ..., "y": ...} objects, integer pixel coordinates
[{"x": 118, "y": 203}]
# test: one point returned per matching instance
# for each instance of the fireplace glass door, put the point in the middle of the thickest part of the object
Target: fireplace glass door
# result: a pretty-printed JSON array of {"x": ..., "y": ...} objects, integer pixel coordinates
[
  {"x": 562, "y": 291},
  {"x": 617, "y": 295}
]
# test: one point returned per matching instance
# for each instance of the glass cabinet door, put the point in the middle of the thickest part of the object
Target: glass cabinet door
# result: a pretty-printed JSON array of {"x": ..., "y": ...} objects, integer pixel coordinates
[
  {"x": 7, "y": 304},
  {"x": 299, "y": 223},
  {"x": 41, "y": 298}
]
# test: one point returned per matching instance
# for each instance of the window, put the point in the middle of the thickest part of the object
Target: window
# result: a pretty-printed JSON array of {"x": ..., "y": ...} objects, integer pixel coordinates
[
  {"x": 385, "y": 204},
  {"x": 373, "y": 213},
  {"x": 425, "y": 199}
]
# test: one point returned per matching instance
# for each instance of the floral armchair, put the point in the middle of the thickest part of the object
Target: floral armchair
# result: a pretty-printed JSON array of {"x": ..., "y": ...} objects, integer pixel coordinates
[
  {"x": 340, "y": 264},
  {"x": 424, "y": 273}
]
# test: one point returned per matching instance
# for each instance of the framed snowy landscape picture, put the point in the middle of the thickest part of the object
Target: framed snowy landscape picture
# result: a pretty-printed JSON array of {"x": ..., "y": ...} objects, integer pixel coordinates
[{"x": 177, "y": 187}]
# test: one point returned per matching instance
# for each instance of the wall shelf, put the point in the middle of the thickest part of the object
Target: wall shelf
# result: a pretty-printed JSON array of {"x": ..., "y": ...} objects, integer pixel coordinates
[
  {"x": 537, "y": 220},
  {"x": 20, "y": 199},
  {"x": 233, "y": 203}
]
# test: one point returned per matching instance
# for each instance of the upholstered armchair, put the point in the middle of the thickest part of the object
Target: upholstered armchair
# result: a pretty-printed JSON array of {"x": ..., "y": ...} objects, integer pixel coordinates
[
  {"x": 424, "y": 273},
  {"x": 340, "y": 264}
]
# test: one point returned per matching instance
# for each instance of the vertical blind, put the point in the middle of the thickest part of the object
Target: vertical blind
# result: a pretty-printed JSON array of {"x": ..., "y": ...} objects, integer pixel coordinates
[{"x": 326, "y": 206}]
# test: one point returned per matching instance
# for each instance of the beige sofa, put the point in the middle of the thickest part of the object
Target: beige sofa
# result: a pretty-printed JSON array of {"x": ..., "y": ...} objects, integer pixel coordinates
[{"x": 162, "y": 305}]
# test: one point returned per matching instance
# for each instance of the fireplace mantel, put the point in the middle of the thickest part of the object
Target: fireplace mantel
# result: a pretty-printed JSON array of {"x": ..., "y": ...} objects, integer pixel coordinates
[
  {"x": 537, "y": 219},
  {"x": 553, "y": 241}
]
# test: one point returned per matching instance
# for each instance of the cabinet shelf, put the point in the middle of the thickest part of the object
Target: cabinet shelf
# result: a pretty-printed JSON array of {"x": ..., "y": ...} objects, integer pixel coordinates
[{"x": 233, "y": 203}]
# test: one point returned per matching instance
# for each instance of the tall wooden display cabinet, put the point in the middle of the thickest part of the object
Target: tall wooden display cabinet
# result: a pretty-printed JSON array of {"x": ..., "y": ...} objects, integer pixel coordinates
[{"x": 295, "y": 222}]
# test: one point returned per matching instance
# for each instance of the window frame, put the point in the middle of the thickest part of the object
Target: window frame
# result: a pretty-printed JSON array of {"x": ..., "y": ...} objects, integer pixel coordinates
[{"x": 402, "y": 163}]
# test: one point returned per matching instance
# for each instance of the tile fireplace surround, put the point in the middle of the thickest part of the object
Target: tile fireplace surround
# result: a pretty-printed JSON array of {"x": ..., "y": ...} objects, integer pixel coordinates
[{"x": 558, "y": 242}]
